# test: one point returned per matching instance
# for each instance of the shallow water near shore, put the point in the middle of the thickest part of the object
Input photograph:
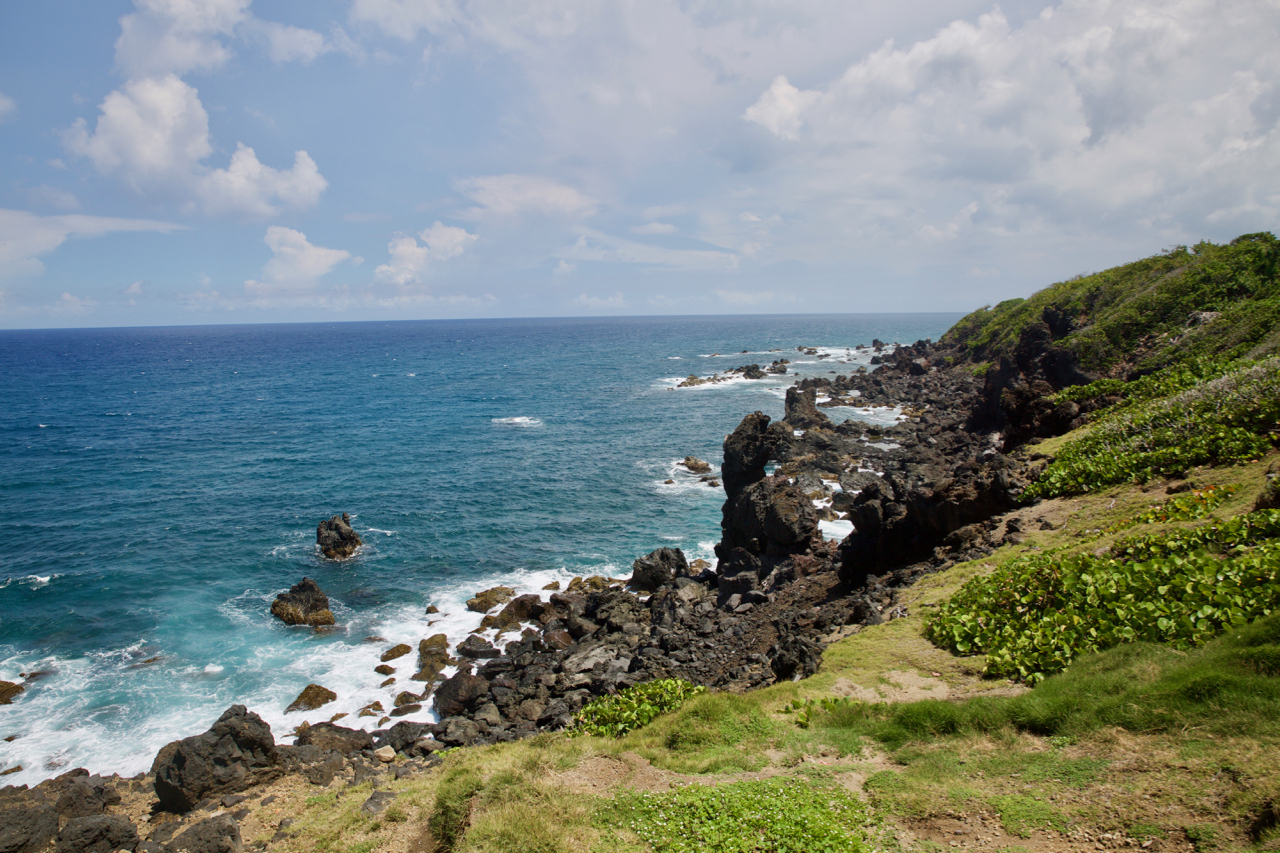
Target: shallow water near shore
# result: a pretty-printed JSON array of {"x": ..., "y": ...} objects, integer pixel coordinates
[{"x": 161, "y": 486}]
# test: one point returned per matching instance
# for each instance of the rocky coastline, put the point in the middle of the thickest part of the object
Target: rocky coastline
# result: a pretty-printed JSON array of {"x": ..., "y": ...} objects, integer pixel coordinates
[{"x": 922, "y": 493}]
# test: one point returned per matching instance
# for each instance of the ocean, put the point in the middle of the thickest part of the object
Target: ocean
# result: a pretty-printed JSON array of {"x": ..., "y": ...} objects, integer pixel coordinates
[{"x": 162, "y": 485}]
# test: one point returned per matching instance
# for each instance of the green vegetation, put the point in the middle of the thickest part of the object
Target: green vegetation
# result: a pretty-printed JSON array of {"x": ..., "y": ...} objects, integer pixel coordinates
[
  {"x": 783, "y": 815},
  {"x": 633, "y": 707},
  {"x": 1136, "y": 315},
  {"x": 1228, "y": 420},
  {"x": 1036, "y": 613}
]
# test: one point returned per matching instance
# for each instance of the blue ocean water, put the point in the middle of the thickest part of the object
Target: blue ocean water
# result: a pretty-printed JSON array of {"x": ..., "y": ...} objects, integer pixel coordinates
[{"x": 160, "y": 486}]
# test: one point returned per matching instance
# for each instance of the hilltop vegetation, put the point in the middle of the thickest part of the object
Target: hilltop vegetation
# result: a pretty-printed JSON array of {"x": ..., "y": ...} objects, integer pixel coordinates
[{"x": 1137, "y": 318}]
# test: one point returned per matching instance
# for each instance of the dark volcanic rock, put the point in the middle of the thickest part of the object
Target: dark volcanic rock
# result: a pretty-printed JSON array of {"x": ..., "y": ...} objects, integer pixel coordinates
[
  {"x": 747, "y": 450},
  {"x": 476, "y": 647},
  {"x": 26, "y": 830},
  {"x": 658, "y": 568},
  {"x": 524, "y": 608},
  {"x": 101, "y": 834},
  {"x": 696, "y": 465},
  {"x": 303, "y": 604},
  {"x": 336, "y": 539},
  {"x": 490, "y": 598},
  {"x": 312, "y": 696},
  {"x": 802, "y": 410},
  {"x": 237, "y": 752},
  {"x": 219, "y": 834},
  {"x": 327, "y": 736},
  {"x": 459, "y": 694}
]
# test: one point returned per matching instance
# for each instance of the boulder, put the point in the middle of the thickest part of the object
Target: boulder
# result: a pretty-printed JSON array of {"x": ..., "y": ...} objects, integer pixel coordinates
[
  {"x": 696, "y": 465},
  {"x": 433, "y": 657},
  {"x": 459, "y": 694},
  {"x": 524, "y": 608},
  {"x": 236, "y": 753},
  {"x": 99, "y": 834},
  {"x": 752, "y": 371},
  {"x": 219, "y": 834},
  {"x": 403, "y": 735},
  {"x": 303, "y": 604},
  {"x": 312, "y": 696},
  {"x": 490, "y": 598},
  {"x": 8, "y": 690},
  {"x": 327, "y": 736},
  {"x": 658, "y": 568},
  {"x": 26, "y": 830},
  {"x": 475, "y": 647},
  {"x": 336, "y": 539},
  {"x": 802, "y": 410}
]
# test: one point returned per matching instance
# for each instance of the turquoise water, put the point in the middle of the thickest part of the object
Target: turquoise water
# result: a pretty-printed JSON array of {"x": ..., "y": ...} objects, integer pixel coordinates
[{"x": 161, "y": 486}]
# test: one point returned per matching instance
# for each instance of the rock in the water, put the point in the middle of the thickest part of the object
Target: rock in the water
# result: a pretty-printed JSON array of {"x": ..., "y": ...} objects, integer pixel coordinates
[
  {"x": 237, "y": 752},
  {"x": 524, "y": 608},
  {"x": 327, "y": 736},
  {"x": 311, "y": 697},
  {"x": 658, "y": 568},
  {"x": 433, "y": 656},
  {"x": 303, "y": 604},
  {"x": 459, "y": 694},
  {"x": 396, "y": 651},
  {"x": 8, "y": 690},
  {"x": 696, "y": 465},
  {"x": 26, "y": 830},
  {"x": 100, "y": 834},
  {"x": 490, "y": 598},
  {"x": 219, "y": 834},
  {"x": 336, "y": 539}
]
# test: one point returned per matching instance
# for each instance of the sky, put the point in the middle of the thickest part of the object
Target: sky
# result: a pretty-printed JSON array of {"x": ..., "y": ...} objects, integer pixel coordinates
[{"x": 168, "y": 162}]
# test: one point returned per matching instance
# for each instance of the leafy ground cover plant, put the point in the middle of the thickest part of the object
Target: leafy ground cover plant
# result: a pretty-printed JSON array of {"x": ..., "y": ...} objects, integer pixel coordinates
[
  {"x": 1193, "y": 505},
  {"x": 1229, "y": 420},
  {"x": 633, "y": 707},
  {"x": 1036, "y": 613},
  {"x": 786, "y": 816}
]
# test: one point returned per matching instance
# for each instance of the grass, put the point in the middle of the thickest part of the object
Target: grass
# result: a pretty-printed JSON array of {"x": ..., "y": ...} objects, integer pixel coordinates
[{"x": 1138, "y": 743}]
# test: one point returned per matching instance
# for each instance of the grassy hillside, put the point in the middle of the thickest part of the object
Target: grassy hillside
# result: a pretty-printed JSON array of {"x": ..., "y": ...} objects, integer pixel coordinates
[{"x": 1134, "y": 318}]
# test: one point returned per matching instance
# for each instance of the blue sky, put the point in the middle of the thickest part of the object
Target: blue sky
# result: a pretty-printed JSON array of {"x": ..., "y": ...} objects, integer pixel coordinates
[{"x": 206, "y": 161}]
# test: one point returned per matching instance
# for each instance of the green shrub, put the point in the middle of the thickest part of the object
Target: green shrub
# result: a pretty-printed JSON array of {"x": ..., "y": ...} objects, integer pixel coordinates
[
  {"x": 1036, "y": 613},
  {"x": 1228, "y": 420},
  {"x": 786, "y": 816},
  {"x": 633, "y": 707}
]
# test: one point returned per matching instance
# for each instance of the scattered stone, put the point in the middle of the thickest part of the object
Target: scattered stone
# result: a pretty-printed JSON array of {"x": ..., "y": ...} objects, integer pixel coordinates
[
  {"x": 406, "y": 698},
  {"x": 303, "y": 604},
  {"x": 553, "y": 586},
  {"x": 312, "y": 696},
  {"x": 383, "y": 669},
  {"x": 378, "y": 800},
  {"x": 220, "y": 834},
  {"x": 336, "y": 539},
  {"x": 385, "y": 754}
]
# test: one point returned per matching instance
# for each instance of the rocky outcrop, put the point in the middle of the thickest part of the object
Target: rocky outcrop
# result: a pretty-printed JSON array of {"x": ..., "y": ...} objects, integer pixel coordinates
[
  {"x": 329, "y": 736},
  {"x": 485, "y": 601},
  {"x": 303, "y": 604},
  {"x": 802, "y": 409},
  {"x": 237, "y": 752},
  {"x": 696, "y": 465},
  {"x": 336, "y": 539},
  {"x": 101, "y": 834},
  {"x": 658, "y": 569},
  {"x": 9, "y": 690}
]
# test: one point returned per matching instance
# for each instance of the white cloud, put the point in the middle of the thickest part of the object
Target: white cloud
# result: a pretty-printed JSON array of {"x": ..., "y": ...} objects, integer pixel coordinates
[
  {"x": 654, "y": 228},
  {"x": 295, "y": 265},
  {"x": 744, "y": 298},
  {"x": 68, "y": 304},
  {"x": 52, "y": 197},
  {"x": 564, "y": 267},
  {"x": 605, "y": 303},
  {"x": 154, "y": 135},
  {"x": 409, "y": 260},
  {"x": 287, "y": 43},
  {"x": 134, "y": 289},
  {"x": 597, "y": 246},
  {"x": 176, "y": 36},
  {"x": 506, "y": 195},
  {"x": 781, "y": 107},
  {"x": 7, "y": 106},
  {"x": 405, "y": 18},
  {"x": 24, "y": 237}
]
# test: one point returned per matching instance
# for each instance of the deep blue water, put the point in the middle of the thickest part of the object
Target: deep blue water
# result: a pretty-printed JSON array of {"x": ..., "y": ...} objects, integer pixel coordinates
[{"x": 161, "y": 486}]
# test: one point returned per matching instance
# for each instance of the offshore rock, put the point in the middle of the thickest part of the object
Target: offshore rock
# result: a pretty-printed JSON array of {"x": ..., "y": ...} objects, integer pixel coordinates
[
  {"x": 658, "y": 568},
  {"x": 8, "y": 690},
  {"x": 696, "y": 465},
  {"x": 312, "y": 696},
  {"x": 303, "y": 604},
  {"x": 336, "y": 539},
  {"x": 236, "y": 753}
]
